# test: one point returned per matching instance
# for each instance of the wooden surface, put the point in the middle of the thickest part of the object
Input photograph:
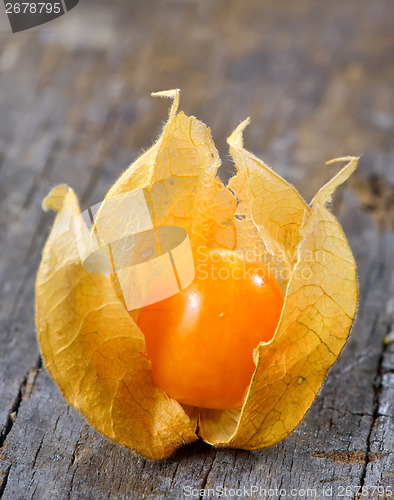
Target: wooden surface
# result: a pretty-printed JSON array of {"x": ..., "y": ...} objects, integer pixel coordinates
[{"x": 317, "y": 79}]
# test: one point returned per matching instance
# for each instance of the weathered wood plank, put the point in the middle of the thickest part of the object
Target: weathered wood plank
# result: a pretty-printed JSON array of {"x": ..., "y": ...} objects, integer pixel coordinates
[{"x": 75, "y": 108}]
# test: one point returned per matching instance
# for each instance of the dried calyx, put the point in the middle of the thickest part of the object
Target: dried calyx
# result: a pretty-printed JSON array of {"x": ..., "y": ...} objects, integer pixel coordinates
[{"x": 93, "y": 347}]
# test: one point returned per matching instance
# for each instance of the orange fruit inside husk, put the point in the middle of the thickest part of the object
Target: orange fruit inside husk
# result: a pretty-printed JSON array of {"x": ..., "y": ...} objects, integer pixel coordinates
[{"x": 201, "y": 340}]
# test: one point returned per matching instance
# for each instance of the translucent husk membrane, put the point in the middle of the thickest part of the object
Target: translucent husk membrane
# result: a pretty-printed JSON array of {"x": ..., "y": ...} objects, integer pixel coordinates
[{"x": 92, "y": 347}]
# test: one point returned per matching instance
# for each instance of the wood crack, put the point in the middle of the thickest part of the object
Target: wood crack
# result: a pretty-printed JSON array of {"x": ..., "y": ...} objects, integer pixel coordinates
[
  {"x": 37, "y": 452},
  {"x": 377, "y": 390},
  {"x": 74, "y": 454},
  {"x": 12, "y": 414},
  {"x": 174, "y": 476},
  {"x": 24, "y": 391},
  {"x": 71, "y": 483},
  {"x": 4, "y": 481},
  {"x": 205, "y": 478}
]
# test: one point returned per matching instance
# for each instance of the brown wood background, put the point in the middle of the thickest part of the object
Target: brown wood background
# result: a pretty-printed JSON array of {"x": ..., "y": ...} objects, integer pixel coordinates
[{"x": 317, "y": 78}]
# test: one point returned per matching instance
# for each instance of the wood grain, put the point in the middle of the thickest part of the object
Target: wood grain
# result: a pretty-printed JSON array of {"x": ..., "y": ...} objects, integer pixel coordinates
[{"x": 316, "y": 78}]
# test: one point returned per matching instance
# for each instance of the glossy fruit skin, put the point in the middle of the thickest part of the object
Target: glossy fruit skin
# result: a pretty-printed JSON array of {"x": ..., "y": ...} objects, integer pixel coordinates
[{"x": 201, "y": 341}]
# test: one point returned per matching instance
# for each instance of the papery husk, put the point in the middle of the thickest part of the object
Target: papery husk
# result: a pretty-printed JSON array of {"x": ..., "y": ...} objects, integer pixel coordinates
[{"x": 92, "y": 347}]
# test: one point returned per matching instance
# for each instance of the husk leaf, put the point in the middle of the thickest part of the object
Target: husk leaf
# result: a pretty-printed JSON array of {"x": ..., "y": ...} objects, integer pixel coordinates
[{"x": 92, "y": 347}]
